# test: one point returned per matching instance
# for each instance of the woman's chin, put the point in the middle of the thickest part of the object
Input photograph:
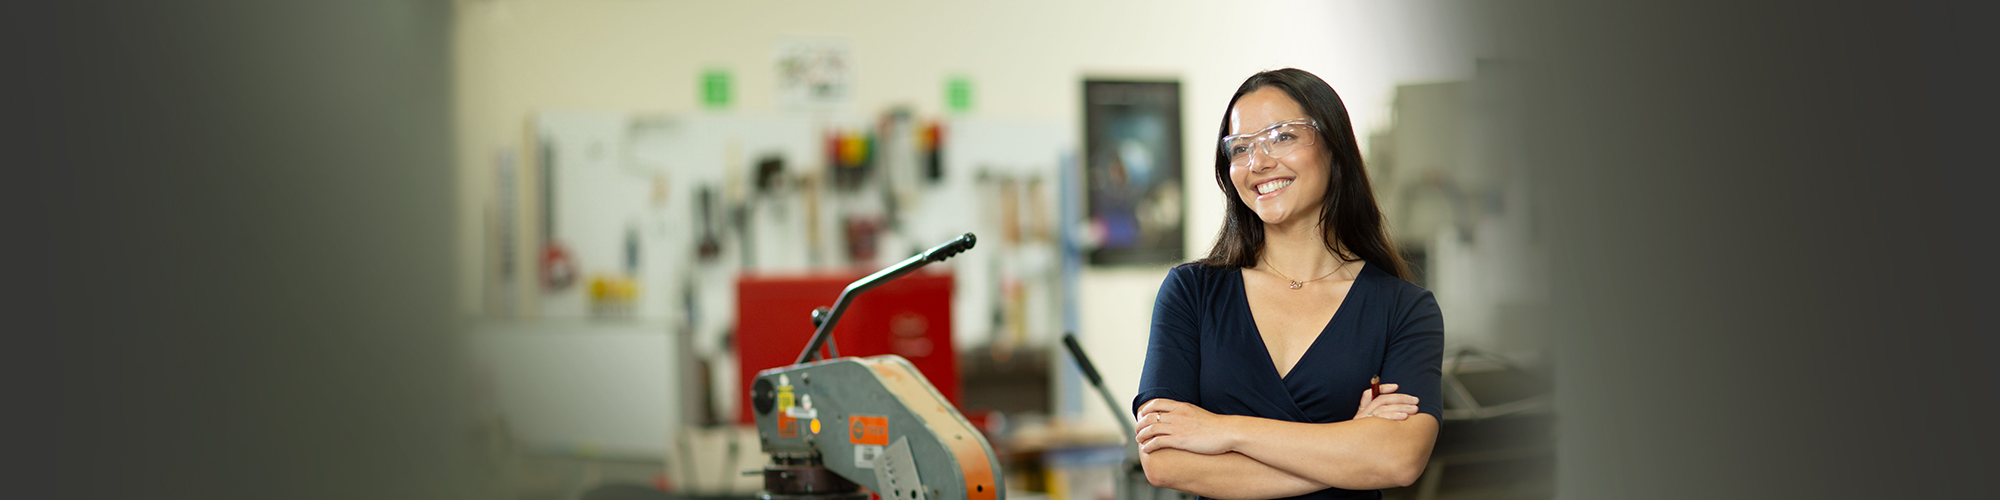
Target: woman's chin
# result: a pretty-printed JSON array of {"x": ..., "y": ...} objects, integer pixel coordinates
[
  {"x": 1272, "y": 217},
  {"x": 1279, "y": 216}
]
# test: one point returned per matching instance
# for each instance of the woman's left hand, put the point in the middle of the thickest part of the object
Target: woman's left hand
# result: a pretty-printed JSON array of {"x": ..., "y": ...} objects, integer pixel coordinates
[
  {"x": 1165, "y": 423},
  {"x": 1388, "y": 405}
]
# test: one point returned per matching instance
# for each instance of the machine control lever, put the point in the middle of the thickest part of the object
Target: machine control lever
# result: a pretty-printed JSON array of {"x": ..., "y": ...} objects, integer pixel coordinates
[
  {"x": 1090, "y": 372},
  {"x": 827, "y": 321},
  {"x": 950, "y": 248}
]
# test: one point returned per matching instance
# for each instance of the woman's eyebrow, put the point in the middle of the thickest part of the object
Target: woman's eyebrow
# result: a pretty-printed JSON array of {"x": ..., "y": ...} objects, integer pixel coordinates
[{"x": 1272, "y": 125}]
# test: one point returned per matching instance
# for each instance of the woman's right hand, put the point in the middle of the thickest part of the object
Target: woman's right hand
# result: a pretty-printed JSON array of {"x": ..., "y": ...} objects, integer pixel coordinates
[{"x": 1389, "y": 405}]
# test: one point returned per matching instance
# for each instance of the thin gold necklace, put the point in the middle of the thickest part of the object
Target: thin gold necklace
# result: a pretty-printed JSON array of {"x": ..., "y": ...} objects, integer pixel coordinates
[{"x": 1296, "y": 284}]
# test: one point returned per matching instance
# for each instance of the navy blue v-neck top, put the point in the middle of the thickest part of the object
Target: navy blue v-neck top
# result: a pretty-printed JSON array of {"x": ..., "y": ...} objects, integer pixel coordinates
[{"x": 1205, "y": 350}]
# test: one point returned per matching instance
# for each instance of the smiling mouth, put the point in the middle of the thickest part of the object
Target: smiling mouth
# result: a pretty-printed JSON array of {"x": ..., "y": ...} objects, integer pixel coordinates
[{"x": 1274, "y": 185}]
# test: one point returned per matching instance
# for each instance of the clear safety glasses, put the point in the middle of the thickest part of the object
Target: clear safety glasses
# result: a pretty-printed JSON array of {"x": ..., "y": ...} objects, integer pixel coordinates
[{"x": 1277, "y": 140}]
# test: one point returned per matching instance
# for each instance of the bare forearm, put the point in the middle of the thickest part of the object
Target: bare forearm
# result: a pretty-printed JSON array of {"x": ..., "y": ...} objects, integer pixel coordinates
[
  {"x": 1370, "y": 453},
  {"x": 1228, "y": 476}
]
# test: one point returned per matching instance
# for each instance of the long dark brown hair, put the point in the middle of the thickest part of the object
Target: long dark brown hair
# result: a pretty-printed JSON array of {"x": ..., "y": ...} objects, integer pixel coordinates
[{"x": 1347, "y": 212}]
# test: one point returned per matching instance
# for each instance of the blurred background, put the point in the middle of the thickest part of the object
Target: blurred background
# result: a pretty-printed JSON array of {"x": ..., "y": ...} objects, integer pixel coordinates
[
  {"x": 535, "y": 249},
  {"x": 652, "y": 195}
]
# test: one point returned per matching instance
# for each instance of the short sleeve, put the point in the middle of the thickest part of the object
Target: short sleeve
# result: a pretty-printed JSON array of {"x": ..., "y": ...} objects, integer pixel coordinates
[
  {"x": 1415, "y": 353},
  {"x": 1173, "y": 348}
]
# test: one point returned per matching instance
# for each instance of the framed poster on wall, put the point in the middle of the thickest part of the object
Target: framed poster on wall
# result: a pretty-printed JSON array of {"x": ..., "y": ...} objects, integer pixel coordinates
[{"x": 1132, "y": 171}]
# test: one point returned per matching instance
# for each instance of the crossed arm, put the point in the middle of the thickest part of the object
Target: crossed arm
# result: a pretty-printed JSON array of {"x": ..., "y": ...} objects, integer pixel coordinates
[{"x": 1184, "y": 447}]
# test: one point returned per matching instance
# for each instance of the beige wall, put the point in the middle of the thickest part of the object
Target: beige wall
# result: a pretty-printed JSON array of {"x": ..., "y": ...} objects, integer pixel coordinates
[{"x": 1026, "y": 60}]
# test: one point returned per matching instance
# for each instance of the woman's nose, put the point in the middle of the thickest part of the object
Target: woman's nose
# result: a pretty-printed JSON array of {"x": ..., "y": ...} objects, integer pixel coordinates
[{"x": 1261, "y": 160}]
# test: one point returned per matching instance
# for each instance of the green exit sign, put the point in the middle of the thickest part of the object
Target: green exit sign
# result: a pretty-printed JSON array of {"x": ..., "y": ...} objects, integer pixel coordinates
[
  {"x": 958, "y": 94},
  {"x": 715, "y": 88}
]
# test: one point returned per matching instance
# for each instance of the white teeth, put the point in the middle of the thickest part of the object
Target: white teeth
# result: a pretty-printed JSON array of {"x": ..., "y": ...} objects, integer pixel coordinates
[{"x": 1268, "y": 187}]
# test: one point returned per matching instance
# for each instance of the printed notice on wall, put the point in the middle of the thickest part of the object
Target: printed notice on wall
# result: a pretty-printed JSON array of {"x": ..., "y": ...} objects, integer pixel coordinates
[{"x": 814, "y": 73}]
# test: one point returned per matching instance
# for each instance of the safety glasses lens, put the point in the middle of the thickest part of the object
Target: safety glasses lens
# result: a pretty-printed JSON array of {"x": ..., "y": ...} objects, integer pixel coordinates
[{"x": 1276, "y": 142}]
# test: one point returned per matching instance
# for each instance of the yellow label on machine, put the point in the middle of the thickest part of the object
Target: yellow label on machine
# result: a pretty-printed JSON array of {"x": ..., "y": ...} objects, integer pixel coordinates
[{"x": 787, "y": 427}]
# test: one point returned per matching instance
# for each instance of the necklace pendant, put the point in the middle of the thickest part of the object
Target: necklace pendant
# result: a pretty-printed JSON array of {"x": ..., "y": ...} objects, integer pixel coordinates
[{"x": 1296, "y": 284}]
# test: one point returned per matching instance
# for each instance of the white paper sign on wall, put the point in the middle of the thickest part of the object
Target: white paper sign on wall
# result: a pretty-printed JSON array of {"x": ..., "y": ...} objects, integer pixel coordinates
[{"x": 814, "y": 73}]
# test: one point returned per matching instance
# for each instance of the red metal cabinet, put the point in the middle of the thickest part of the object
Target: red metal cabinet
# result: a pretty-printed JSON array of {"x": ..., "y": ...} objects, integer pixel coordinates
[{"x": 909, "y": 316}]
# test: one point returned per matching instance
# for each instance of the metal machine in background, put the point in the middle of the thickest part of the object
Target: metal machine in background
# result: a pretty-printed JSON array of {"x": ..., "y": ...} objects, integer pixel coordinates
[
  {"x": 1130, "y": 481},
  {"x": 835, "y": 425}
]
